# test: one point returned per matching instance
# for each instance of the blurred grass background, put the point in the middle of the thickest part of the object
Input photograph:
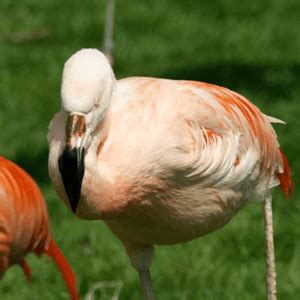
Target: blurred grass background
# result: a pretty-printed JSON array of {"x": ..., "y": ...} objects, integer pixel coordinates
[{"x": 252, "y": 47}]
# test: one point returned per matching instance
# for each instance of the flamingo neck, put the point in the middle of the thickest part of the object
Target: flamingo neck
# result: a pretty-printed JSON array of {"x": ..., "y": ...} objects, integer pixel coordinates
[{"x": 98, "y": 196}]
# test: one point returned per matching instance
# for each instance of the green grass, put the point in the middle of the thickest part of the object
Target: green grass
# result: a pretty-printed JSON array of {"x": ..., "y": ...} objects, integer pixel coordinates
[{"x": 249, "y": 46}]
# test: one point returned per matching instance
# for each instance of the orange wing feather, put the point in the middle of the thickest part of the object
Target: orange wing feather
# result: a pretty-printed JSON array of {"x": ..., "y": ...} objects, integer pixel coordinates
[
  {"x": 24, "y": 225},
  {"x": 285, "y": 178},
  {"x": 259, "y": 128}
]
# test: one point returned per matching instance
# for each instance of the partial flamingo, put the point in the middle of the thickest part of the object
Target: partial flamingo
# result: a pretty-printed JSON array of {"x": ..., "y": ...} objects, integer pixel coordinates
[
  {"x": 160, "y": 161},
  {"x": 24, "y": 225}
]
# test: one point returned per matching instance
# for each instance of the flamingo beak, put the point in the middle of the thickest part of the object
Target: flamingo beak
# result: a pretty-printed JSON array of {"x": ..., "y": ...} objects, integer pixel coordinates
[{"x": 71, "y": 161}]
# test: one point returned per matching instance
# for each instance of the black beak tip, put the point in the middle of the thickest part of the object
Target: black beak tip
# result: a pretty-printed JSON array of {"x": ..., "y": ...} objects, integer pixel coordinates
[
  {"x": 73, "y": 208},
  {"x": 71, "y": 167}
]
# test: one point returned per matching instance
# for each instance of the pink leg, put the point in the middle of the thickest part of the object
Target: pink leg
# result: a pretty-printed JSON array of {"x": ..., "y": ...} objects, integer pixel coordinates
[{"x": 270, "y": 253}]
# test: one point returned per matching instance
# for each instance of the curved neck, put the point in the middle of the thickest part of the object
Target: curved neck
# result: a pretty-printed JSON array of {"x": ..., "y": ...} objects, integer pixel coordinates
[{"x": 98, "y": 195}]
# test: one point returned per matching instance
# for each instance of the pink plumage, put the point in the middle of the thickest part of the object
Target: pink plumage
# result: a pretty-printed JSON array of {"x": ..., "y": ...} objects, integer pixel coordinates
[{"x": 159, "y": 161}]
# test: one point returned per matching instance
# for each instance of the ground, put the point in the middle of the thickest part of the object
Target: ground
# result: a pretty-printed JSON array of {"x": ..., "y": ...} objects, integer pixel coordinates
[{"x": 251, "y": 47}]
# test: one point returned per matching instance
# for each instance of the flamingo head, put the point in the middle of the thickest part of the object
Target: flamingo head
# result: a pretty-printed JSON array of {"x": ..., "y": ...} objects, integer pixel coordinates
[{"x": 86, "y": 91}]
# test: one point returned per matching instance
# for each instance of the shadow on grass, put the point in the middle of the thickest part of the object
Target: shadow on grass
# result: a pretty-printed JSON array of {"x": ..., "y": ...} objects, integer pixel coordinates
[
  {"x": 36, "y": 164},
  {"x": 276, "y": 81}
]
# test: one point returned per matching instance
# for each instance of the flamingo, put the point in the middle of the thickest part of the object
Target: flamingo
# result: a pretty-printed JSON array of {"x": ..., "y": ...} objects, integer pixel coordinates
[
  {"x": 108, "y": 42},
  {"x": 160, "y": 161},
  {"x": 24, "y": 225}
]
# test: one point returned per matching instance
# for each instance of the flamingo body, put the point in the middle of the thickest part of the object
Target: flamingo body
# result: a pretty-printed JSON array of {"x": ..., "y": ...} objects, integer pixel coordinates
[
  {"x": 24, "y": 225},
  {"x": 164, "y": 161},
  {"x": 179, "y": 160}
]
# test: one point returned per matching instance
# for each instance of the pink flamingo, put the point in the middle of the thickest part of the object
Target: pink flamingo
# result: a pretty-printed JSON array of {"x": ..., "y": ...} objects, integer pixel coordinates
[
  {"x": 24, "y": 225},
  {"x": 160, "y": 161}
]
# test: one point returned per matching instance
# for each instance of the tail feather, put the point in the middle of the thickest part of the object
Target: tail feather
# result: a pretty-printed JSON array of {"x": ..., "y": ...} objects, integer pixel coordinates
[
  {"x": 285, "y": 178},
  {"x": 64, "y": 267}
]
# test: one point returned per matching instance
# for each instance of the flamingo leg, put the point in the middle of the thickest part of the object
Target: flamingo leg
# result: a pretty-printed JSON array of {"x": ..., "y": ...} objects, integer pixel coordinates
[
  {"x": 3, "y": 265},
  {"x": 26, "y": 269},
  {"x": 146, "y": 284},
  {"x": 108, "y": 30},
  {"x": 270, "y": 253},
  {"x": 141, "y": 260}
]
